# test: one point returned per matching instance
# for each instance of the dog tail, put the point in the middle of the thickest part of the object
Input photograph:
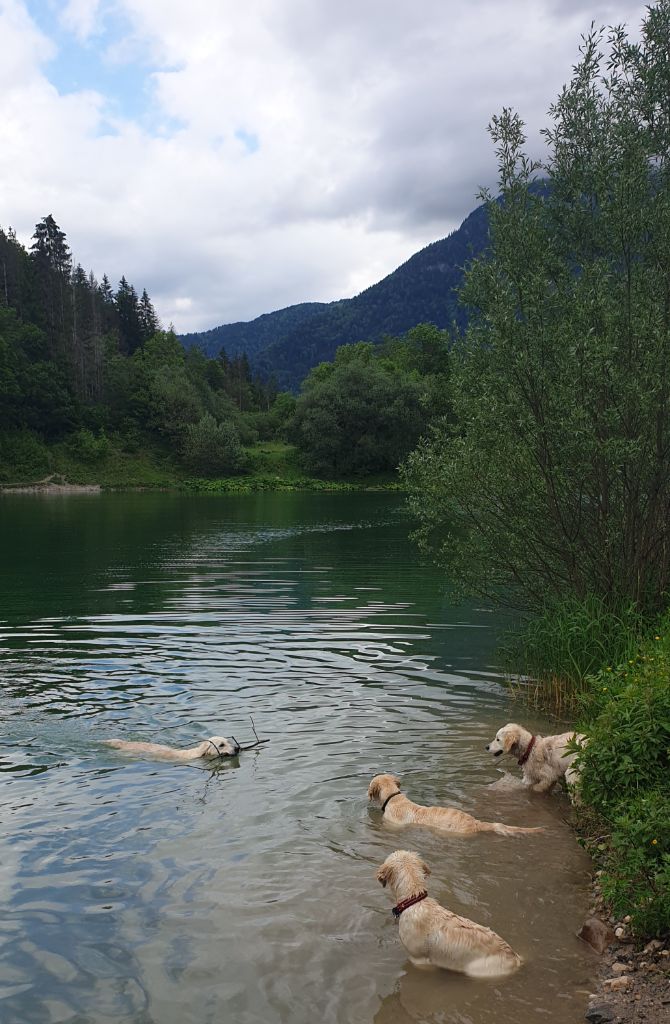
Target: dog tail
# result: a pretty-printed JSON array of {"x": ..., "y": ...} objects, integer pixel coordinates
[
  {"x": 510, "y": 830},
  {"x": 119, "y": 744}
]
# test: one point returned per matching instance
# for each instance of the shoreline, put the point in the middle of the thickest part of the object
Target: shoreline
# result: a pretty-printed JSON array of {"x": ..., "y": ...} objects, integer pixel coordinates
[{"x": 633, "y": 983}]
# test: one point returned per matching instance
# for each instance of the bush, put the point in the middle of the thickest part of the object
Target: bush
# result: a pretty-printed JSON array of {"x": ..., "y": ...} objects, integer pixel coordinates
[
  {"x": 624, "y": 776},
  {"x": 212, "y": 449},
  {"x": 86, "y": 447},
  {"x": 23, "y": 456},
  {"x": 636, "y": 878},
  {"x": 629, "y": 740},
  {"x": 356, "y": 418}
]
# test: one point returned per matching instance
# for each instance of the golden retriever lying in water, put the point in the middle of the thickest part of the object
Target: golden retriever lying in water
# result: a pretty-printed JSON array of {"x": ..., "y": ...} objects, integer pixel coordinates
[
  {"x": 543, "y": 759},
  {"x": 398, "y": 810},
  {"x": 431, "y": 934},
  {"x": 215, "y": 746}
]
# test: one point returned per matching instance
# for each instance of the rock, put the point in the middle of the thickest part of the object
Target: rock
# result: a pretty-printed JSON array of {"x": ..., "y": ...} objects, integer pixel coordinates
[
  {"x": 621, "y": 968},
  {"x": 598, "y": 934},
  {"x": 599, "y": 1013},
  {"x": 652, "y": 946},
  {"x": 627, "y": 919},
  {"x": 619, "y": 932},
  {"x": 616, "y": 984}
]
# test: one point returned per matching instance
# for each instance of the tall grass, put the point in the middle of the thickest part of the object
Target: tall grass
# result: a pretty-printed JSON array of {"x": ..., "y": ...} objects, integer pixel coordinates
[{"x": 550, "y": 657}]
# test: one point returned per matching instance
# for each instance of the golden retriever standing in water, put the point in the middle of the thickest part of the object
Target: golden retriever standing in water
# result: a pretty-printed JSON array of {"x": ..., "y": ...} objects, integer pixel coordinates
[
  {"x": 431, "y": 934},
  {"x": 398, "y": 810},
  {"x": 543, "y": 759},
  {"x": 215, "y": 746}
]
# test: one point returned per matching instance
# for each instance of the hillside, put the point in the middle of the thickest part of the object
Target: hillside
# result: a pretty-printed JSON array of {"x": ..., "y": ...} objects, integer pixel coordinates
[
  {"x": 253, "y": 336},
  {"x": 289, "y": 342}
]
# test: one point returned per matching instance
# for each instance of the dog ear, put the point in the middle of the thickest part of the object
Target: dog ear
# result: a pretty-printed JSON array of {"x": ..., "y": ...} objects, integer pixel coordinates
[
  {"x": 385, "y": 874},
  {"x": 396, "y": 780},
  {"x": 509, "y": 741},
  {"x": 425, "y": 868},
  {"x": 373, "y": 790}
]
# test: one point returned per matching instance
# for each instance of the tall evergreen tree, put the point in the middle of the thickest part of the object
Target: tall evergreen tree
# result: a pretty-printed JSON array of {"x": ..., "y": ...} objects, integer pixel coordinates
[
  {"x": 149, "y": 322},
  {"x": 130, "y": 328}
]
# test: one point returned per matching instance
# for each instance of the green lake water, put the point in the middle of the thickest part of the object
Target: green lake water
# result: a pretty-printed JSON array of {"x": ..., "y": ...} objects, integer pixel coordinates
[{"x": 142, "y": 892}]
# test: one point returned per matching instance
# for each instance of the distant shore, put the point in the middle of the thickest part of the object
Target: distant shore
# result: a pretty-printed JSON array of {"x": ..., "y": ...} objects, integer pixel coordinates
[{"x": 49, "y": 485}]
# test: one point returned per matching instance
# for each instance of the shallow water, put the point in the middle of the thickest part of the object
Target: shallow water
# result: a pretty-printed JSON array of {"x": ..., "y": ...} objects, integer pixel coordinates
[{"x": 153, "y": 893}]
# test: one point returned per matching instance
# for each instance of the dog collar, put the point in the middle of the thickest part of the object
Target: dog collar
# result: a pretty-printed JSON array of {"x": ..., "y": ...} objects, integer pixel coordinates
[
  {"x": 397, "y": 793},
  {"x": 522, "y": 760},
  {"x": 409, "y": 902}
]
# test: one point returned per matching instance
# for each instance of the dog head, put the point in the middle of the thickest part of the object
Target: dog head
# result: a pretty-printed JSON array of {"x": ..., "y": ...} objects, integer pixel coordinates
[
  {"x": 220, "y": 746},
  {"x": 506, "y": 740},
  {"x": 403, "y": 869},
  {"x": 382, "y": 786}
]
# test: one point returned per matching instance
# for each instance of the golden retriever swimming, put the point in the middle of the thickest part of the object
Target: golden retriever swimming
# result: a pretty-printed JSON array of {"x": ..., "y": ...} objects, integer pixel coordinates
[
  {"x": 215, "y": 746},
  {"x": 398, "y": 810},
  {"x": 543, "y": 759},
  {"x": 431, "y": 934}
]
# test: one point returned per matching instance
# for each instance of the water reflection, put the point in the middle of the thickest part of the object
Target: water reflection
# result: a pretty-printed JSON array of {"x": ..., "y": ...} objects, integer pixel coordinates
[{"x": 139, "y": 891}]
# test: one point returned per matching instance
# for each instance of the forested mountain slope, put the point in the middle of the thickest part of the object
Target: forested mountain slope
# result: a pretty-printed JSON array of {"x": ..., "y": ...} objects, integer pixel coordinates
[{"x": 288, "y": 343}]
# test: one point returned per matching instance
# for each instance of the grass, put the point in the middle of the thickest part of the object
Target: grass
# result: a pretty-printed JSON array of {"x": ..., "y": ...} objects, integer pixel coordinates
[
  {"x": 551, "y": 657},
  {"x": 273, "y": 466}
]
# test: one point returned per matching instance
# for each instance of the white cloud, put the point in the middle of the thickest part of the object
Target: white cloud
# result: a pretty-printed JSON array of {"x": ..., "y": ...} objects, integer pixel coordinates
[
  {"x": 370, "y": 120},
  {"x": 81, "y": 17}
]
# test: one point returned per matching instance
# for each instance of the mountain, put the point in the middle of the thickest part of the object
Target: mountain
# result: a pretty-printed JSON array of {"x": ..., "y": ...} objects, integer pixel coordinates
[
  {"x": 289, "y": 342},
  {"x": 253, "y": 336}
]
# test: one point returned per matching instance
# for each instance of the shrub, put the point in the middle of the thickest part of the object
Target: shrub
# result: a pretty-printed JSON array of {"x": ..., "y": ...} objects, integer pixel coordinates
[
  {"x": 210, "y": 448},
  {"x": 86, "y": 447},
  {"x": 629, "y": 740},
  {"x": 23, "y": 456},
  {"x": 636, "y": 875},
  {"x": 624, "y": 775}
]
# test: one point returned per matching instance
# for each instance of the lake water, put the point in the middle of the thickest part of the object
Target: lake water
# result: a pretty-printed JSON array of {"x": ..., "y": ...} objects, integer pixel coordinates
[{"x": 153, "y": 893}]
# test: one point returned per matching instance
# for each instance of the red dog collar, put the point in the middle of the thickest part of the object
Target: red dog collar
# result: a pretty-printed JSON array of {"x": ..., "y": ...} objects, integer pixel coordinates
[
  {"x": 406, "y": 904},
  {"x": 522, "y": 760}
]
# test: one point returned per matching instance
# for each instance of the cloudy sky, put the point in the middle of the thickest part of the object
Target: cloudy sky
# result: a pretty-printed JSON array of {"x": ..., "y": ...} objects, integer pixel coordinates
[{"x": 237, "y": 156}]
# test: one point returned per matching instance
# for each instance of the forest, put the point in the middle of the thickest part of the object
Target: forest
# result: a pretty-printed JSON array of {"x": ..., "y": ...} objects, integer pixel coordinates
[{"x": 87, "y": 375}]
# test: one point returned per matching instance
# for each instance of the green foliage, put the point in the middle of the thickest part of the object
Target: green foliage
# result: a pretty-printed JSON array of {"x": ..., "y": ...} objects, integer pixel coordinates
[
  {"x": 212, "y": 449},
  {"x": 636, "y": 878},
  {"x": 629, "y": 746},
  {"x": 362, "y": 417},
  {"x": 364, "y": 411},
  {"x": 559, "y": 649},
  {"x": 624, "y": 767},
  {"x": 555, "y": 480},
  {"x": 23, "y": 456},
  {"x": 86, "y": 446}
]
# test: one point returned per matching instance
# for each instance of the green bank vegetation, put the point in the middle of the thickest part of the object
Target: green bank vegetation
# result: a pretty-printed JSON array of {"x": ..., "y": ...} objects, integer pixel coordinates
[
  {"x": 91, "y": 389},
  {"x": 549, "y": 488}
]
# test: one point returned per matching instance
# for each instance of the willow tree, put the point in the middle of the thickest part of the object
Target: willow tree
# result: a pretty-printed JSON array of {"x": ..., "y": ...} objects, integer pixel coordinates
[{"x": 555, "y": 479}]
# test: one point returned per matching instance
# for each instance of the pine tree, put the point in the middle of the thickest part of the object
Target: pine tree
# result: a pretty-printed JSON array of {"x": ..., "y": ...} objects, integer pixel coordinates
[
  {"x": 129, "y": 319},
  {"x": 149, "y": 322}
]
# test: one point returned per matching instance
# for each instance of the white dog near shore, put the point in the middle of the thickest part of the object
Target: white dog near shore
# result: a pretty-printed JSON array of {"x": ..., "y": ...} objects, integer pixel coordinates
[
  {"x": 543, "y": 759},
  {"x": 434, "y": 936}
]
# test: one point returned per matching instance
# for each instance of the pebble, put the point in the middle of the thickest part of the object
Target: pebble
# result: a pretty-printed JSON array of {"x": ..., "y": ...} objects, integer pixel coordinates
[
  {"x": 616, "y": 984},
  {"x": 621, "y": 968},
  {"x": 619, "y": 932}
]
